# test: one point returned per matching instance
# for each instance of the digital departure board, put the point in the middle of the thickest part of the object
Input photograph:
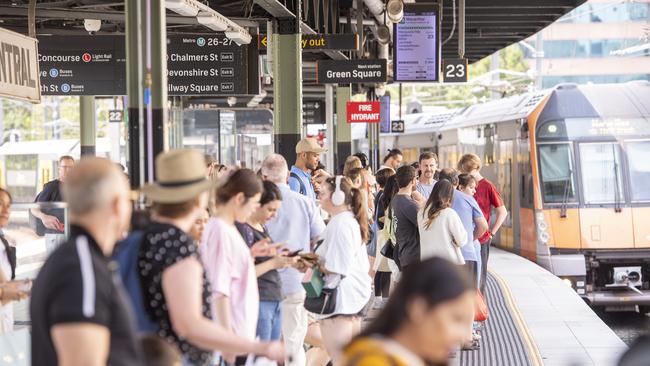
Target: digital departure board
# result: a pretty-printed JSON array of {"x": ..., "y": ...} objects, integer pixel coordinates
[{"x": 417, "y": 44}]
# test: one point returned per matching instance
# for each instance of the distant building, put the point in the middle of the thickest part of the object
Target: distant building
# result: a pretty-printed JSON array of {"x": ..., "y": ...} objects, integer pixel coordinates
[{"x": 579, "y": 47}]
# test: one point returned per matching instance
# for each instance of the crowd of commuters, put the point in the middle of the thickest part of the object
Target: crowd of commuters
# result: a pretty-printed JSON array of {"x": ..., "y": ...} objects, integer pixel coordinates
[{"x": 227, "y": 266}]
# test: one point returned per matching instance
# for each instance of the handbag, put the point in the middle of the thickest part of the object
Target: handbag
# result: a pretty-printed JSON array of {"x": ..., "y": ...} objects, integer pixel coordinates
[
  {"x": 313, "y": 282},
  {"x": 481, "y": 312},
  {"x": 388, "y": 250},
  {"x": 324, "y": 304}
]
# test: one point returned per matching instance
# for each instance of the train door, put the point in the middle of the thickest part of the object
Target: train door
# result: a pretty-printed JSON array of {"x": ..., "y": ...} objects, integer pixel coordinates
[
  {"x": 637, "y": 153},
  {"x": 606, "y": 221},
  {"x": 506, "y": 176}
]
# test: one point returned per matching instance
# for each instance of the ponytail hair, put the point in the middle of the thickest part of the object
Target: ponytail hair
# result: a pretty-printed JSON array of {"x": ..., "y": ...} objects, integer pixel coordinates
[
  {"x": 360, "y": 212},
  {"x": 354, "y": 198}
]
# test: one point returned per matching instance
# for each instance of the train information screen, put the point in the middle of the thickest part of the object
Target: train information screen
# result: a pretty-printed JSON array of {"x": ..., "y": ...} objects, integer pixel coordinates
[
  {"x": 417, "y": 44},
  {"x": 584, "y": 128}
]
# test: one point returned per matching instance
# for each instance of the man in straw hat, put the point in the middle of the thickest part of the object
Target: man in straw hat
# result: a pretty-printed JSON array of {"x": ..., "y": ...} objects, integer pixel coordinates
[
  {"x": 176, "y": 294},
  {"x": 80, "y": 315}
]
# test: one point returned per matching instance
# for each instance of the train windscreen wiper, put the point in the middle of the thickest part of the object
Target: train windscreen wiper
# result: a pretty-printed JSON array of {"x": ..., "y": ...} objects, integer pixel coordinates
[{"x": 565, "y": 196}]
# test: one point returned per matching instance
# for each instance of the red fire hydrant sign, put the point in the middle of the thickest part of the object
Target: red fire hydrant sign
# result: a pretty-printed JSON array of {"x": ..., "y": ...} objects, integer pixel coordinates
[{"x": 363, "y": 112}]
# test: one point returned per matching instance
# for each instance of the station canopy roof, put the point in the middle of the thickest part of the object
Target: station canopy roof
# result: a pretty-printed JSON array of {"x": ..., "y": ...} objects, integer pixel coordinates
[{"x": 490, "y": 24}]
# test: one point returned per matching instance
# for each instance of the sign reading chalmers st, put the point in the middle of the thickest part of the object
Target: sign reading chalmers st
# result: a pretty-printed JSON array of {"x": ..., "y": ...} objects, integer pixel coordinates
[
  {"x": 19, "y": 67},
  {"x": 351, "y": 71}
]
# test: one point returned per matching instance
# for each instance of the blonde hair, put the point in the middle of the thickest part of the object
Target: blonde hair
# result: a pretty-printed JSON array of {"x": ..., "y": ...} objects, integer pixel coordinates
[
  {"x": 469, "y": 162},
  {"x": 351, "y": 162}
]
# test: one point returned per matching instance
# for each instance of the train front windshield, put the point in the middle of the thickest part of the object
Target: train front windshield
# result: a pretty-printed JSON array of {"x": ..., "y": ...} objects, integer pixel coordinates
[{"x": 594, "y": 161}]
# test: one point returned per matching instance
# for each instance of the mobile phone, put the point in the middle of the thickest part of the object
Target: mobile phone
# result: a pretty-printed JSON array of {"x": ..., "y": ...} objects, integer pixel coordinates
[{"x": 293, "y": 254}]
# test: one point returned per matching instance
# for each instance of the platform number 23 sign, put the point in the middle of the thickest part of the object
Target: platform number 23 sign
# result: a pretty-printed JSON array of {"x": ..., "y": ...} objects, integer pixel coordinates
[{"x": 454, "y": 70}]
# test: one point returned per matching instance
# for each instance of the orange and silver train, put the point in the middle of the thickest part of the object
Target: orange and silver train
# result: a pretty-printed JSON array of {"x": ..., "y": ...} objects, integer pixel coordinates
[{"x": 573, "y": 166}]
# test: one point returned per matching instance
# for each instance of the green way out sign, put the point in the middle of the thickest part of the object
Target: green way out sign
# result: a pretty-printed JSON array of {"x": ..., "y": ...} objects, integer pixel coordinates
[{"x": 343, "y": 41}]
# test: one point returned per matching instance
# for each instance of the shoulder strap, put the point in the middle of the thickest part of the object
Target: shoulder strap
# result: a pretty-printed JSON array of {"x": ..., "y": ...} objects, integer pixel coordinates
[{"x": 303, "y": 190}]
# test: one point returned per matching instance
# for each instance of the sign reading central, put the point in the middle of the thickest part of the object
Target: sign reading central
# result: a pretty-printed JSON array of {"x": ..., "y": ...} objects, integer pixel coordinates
[
  {"x": 351, "y": 71},
  {"x": 364, "y": 112}
]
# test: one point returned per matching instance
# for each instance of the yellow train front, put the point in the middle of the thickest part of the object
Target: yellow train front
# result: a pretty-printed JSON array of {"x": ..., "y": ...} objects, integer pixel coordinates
[{"x": 573, "y": 166}]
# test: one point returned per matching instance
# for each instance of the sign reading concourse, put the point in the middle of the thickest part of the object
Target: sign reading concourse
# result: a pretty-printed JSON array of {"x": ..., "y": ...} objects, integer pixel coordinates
[
  {"x": 197, "y": 64},
  {"x": 19, "y": 67},
  {"x": 351, "y": 71}
]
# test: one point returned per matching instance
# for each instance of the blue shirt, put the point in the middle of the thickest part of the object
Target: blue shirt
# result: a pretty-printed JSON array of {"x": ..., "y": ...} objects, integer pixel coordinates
[
  {"x": 297, "y": 222},
  {"x": 306, "y": 181},
  {"x": 468, "y": 210}
]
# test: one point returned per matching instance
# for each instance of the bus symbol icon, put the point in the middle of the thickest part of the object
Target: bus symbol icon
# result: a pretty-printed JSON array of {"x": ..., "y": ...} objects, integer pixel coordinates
[
  {"x": 65, "y": 88},
  {"x": 54, "y": 73}
]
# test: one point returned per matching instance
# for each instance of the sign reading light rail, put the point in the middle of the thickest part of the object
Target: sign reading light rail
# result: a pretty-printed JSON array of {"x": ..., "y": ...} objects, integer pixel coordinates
[{"x": 363, "y": 112}]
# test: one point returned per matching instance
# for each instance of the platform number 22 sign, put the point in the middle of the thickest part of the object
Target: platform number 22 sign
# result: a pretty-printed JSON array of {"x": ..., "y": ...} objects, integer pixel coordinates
[{"x": 454, "y": 70}]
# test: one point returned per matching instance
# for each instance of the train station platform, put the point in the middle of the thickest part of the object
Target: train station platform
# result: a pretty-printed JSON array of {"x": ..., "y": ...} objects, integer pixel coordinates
[{"x": 536, "y": 319}]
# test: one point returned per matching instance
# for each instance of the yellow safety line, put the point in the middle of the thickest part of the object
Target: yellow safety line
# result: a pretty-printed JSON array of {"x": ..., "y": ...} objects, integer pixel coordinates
[{"x": 523, "y": 329}]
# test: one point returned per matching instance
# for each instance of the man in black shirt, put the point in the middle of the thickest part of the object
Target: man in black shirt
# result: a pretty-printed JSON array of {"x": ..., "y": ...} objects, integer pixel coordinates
[
  {"x": 405, "y": 218},
  {"x": 79, "y": 312},
  {"x": 51, "y": 220}
]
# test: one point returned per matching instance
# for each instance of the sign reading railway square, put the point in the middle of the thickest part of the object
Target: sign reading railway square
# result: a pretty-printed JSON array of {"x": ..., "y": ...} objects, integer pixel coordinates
[
  {"x": 206, "y": 65},
  {"x": 351, "y": 71}
]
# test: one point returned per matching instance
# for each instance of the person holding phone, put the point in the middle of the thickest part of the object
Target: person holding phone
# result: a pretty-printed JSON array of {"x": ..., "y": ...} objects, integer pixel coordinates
[
  {"x": 269, "y": 284},
  {"x": 10, "y": 290}
]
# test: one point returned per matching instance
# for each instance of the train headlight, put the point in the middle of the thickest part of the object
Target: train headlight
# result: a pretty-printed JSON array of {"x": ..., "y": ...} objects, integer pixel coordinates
[{"x": 567, "y": 282}]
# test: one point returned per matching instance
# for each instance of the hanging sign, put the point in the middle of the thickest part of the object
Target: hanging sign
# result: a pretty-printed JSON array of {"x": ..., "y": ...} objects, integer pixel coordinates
[
  {"x": 342, "y": 41},
  {"x": 351, "y": 71},
  {"x": 397, "y": 126},
  {"x": 417, "y": 43},
  {"x": 363, "y": 112},
  {"x": 19, "y": 74},
  {"x": 454, "y": 70}
]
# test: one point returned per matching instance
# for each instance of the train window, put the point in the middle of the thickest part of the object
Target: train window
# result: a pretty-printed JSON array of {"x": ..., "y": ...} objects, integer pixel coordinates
[
  {"x": 601, "y": 173},
  {"x": 558, "y": 180},
  {"x": 639, "y": 165},
  {"x": 552, "y": 130}
]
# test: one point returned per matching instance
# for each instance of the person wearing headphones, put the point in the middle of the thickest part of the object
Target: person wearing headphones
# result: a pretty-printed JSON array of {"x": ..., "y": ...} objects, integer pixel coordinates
[{"x": 344, "y": 263}]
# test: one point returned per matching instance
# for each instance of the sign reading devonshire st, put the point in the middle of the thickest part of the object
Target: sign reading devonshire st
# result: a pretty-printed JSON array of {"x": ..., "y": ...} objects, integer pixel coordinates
[
  {"x": 351, "y": 71},
  {"x": 197, "y": 64},
  {"x": 206, "y": 65},
  {"x": 341, "y": 41},
  {"x": 416, "y": 43},
  {"x": 363, "y": 112},
  {"x": 19, "y": 67}
]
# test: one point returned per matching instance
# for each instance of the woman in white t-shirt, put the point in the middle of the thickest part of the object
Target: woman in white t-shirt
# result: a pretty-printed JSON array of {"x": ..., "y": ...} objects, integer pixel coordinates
[
  {"x": 344, "y": 262},
  {"x": 441, "y": 231}
]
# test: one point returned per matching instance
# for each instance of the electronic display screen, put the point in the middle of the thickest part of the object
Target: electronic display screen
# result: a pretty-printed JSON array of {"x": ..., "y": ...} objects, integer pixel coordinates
[{"x": 416, "y": 55}]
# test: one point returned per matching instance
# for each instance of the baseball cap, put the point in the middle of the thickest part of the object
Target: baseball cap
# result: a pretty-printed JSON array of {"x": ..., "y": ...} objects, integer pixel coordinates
[{"x": 309, "y": 144}]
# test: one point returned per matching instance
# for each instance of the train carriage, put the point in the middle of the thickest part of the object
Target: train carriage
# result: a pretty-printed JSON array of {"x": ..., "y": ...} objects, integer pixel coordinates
[{"x": 573, "y": 166}]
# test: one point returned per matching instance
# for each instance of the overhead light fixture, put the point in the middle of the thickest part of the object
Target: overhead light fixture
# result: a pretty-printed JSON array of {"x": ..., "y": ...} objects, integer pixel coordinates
[
  {"x": 211, "y": 21},
  {"x": 395, "y": 10},
  {"x": 239, "y": 36},
  {"x": 187, "y": 8},
  {"x": 383, "y": 34}
]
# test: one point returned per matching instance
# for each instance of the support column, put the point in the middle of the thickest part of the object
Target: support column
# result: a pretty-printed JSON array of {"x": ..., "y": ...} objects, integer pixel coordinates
[
  {"x": 156, "y": 78},
  {"x": 330, "y": 133},
  {"x": 87, "y": 125},
  {"x": 287, "y": 88},
  {"x": 134, "y": 82},
  {"x": 343, "y": 129}
]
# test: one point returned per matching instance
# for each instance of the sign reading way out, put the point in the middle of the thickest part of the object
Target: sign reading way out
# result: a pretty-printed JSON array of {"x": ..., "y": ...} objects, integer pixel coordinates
[
  {"x": 343, "y": 41},
  {"x": 363, "y": 112},
  {"x": 351, "y": 71},
  {"x": 19, "y": 67}
]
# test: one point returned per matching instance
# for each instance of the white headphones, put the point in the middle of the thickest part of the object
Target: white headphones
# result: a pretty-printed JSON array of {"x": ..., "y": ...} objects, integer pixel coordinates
[{"x": 338, "y": 197}]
